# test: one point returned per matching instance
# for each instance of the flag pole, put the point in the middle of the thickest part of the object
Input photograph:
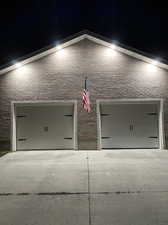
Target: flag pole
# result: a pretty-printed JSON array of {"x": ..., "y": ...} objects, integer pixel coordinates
[{"x": 85, "y": 82}]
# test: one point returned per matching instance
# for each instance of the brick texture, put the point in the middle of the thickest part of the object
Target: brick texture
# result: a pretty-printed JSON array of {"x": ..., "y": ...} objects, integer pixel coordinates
[{"x": 60, "y": 76}]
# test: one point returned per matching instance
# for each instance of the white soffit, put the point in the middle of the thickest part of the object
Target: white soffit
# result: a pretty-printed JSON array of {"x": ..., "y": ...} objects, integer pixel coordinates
[{"x": 77, "y": 39}]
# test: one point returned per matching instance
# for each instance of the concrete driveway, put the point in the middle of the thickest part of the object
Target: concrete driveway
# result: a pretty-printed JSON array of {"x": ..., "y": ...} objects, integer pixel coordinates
[{"x": 128, "y": 187}]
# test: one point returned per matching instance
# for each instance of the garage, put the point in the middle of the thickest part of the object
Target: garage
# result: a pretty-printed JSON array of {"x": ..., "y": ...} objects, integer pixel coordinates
[
  {"x": 130, "y": 124},
  {"x": 42, "y": 126}
]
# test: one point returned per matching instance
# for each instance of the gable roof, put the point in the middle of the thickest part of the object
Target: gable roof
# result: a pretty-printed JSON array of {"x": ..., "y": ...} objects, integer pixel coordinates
[{"x": 85, "y": 34}]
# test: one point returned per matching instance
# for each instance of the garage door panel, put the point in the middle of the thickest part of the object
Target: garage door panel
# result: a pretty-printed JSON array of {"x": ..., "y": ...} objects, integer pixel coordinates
[
  {"x": 142, "y": 142},
  {"x": 115, "y": 143},
  {"x": 145, "y": 126},
  {"x": 129, "y": 126},
  {"x": 115, "y": 134},
  {"x": 110, "y": 124},
  {"x": 45, "y": 127}
]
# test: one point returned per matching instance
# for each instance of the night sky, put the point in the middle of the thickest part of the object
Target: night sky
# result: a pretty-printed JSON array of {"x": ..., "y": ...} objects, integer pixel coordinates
[{"x": 26, "y": 26}]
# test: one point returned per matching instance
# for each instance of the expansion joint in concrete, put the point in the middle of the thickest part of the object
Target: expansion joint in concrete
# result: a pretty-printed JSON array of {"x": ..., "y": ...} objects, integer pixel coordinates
[{"x": 89, "y": 194}]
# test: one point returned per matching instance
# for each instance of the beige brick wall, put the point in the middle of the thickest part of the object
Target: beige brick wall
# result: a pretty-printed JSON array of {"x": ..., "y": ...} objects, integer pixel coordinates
[{"x": 60, "y": 76}]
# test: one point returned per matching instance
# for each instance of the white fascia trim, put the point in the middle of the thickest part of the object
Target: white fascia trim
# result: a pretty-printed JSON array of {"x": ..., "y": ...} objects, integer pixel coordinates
[
  {"x": 77, "y": 39},
  {"x": 129, "y": 100}
]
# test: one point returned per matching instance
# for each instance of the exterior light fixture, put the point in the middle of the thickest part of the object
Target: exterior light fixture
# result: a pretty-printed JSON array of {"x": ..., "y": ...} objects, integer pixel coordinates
[
  {"x": 155, "y": 62},
  {"x": 59, "y": 47},
  {"x": 18, "y": 65}
]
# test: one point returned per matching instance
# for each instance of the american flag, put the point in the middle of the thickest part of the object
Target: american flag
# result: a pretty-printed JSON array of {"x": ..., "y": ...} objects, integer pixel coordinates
[{"x": 86, "y": 97}]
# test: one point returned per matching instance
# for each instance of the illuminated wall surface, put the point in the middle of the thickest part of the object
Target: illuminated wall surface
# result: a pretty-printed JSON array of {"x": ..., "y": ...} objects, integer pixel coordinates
[{"x": 60, "y": 76}]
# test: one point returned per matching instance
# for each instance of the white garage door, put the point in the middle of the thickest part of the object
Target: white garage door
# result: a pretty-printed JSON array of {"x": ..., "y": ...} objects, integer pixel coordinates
[
  {"x": 45, "y": 127},
  {"x": 129, "y": 126}
]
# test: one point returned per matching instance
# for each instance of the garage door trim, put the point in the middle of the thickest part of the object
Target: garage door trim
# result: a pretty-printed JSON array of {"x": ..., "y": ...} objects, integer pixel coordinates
[
  {"x": 14, "y": 105},
  {"x": 158, "y": 101}
]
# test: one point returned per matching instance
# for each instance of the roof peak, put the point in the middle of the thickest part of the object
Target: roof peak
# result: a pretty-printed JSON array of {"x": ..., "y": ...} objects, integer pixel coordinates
[{"x": 97, "y": 38}]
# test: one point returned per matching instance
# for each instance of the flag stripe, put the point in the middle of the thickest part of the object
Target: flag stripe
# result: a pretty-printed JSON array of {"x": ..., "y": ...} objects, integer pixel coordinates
[{"x": 86, "y": 99}]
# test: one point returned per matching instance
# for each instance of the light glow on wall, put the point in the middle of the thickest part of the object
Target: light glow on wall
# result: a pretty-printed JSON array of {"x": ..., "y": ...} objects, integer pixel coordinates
[
  {"x": 155, "y": 63},
  {"x": 113, "y": 46},
  {"x": 110, "y": 52},
  {"x": 24, "y": 73},
  {"x": 153, "y": 66},
  {"x": 61, "y": 53}
]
